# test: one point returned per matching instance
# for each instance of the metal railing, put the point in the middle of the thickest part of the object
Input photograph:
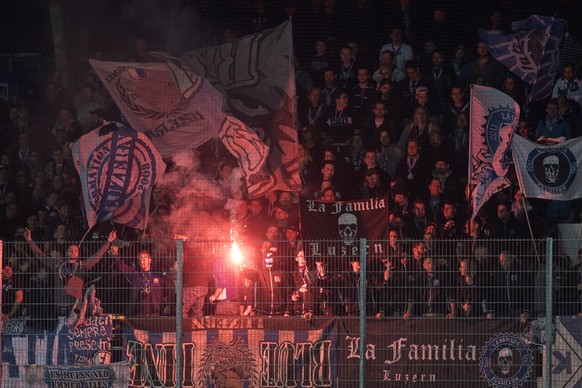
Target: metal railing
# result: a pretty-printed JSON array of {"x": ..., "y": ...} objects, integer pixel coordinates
[{"x": 132, "y": 304}]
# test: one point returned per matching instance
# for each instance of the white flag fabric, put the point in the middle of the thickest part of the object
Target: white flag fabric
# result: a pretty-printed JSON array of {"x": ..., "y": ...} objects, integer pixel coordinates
[
  {"x": 256, "y": 75},
  {"x": 179, "y": 109},
  {"x": 117, "y": 170},
  {"x": 548, "y": 172},
  {"x": 494, "y": 118}
]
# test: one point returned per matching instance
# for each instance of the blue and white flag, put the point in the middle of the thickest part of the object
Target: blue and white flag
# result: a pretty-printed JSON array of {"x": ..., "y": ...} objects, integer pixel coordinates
[
  {"x": 117, "y": 171},
  {"x": 256, "y": 75},
  {"x": 251, "y": 352},
  {"x": 179, "y": 109},
  {"x": 494, "y": 117},
  {"x": 531, "y": 52},
  {"x": 548, "y": 172}
]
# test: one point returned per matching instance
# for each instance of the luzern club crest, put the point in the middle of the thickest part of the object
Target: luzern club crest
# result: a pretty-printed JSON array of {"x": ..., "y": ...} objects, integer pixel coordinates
[
  {"x": 506, "y": 361},
  {"x": 552, "y": 169}
]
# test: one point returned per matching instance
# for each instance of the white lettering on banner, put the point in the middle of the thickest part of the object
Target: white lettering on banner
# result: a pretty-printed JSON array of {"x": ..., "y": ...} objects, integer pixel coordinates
[
  {"x": 412, "y": 377},
  {"x": 279, "y": 363},
  {"x": 354, "y": 345},
  {"x": 340, "y": 207},
  {"x": 450, "y": 350}
]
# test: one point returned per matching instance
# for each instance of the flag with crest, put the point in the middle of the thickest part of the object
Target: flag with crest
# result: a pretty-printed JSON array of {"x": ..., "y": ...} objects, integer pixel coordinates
[
  {"x": 117, "y": 169},
  {"x": 494, "y": 117},
  {"x": 531, "y": 52}
]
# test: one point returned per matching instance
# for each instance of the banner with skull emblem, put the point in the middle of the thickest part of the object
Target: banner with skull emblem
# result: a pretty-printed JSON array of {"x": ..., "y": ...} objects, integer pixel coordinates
[
  {"x": 333, "y": 230},
  {"x": 548, "y": 172}
]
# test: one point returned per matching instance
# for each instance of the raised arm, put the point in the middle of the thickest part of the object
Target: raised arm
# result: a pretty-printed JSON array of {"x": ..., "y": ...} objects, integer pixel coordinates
[
  {"x": 35, "y": 248},
  {"x": 47, "y": 261},
  {"x": 92, "y": 261}
]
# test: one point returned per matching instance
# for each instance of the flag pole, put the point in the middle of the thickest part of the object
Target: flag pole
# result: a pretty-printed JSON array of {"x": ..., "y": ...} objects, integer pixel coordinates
[
  {"x": 530, "y": 230},
  {"x": 470, "y": 164}
]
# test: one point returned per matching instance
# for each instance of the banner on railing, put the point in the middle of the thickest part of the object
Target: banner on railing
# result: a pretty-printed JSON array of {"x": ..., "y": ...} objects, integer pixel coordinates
[
  {"x": 566, "y": 353},
  {"x": 326, "y": 353},
  {"x": 273, "y": 352}
]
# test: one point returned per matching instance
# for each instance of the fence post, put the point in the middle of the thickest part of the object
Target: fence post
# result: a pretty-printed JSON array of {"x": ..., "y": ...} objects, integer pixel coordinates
[
  {"x": 179, "y": 329},
  {"x": 549, "y": 312},
  {"x": 363, "y": 304},
  {"x": 1, "y": 318}
]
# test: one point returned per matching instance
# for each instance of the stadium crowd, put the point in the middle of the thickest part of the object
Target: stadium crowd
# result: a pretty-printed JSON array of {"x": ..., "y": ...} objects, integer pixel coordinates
[{"x": 382, "y": 111}]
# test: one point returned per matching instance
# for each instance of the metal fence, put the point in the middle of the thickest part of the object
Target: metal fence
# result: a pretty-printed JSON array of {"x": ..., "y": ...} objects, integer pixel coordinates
[{"x": 309, "y": 313}]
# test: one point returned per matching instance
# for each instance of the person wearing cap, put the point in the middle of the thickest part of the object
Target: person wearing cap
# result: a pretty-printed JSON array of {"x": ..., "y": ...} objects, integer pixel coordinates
[
  {"x": 450, "y": 185},
  {"x": 423, "y": 98}
]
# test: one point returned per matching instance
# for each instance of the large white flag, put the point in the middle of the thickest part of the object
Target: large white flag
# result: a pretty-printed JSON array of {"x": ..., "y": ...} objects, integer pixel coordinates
[
  {"x": 494, "y": 117},
  {"x": 548, "y": 172},
  {"x": 256, "y": 74},
  {"x": 179, "y": 109}
]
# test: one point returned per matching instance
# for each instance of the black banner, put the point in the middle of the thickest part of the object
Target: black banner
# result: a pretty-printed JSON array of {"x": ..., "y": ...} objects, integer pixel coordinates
[
  {"x": 286, "y": 352},
  {"x": 347, "y": 221},
  {"x": 439, "y": 352}
]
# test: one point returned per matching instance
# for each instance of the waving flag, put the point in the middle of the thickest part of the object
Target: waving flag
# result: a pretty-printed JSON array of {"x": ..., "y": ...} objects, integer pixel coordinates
[
  {"x": 548, "y": 172},
  {"x": 494, "y": 117},
  {"x": 256, "y": 75},
  {"x": 531, "y": 52},
  {"x": 179, "y": 110},
  {"x": 117, "y": 171}
]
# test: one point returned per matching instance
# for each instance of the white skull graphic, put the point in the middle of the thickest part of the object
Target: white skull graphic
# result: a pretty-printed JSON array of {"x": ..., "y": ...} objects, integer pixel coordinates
[
  {"x": 505, "y": 360},
  {"x": 551, "y": 168},
  {"x": 348, "y": 228}
]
